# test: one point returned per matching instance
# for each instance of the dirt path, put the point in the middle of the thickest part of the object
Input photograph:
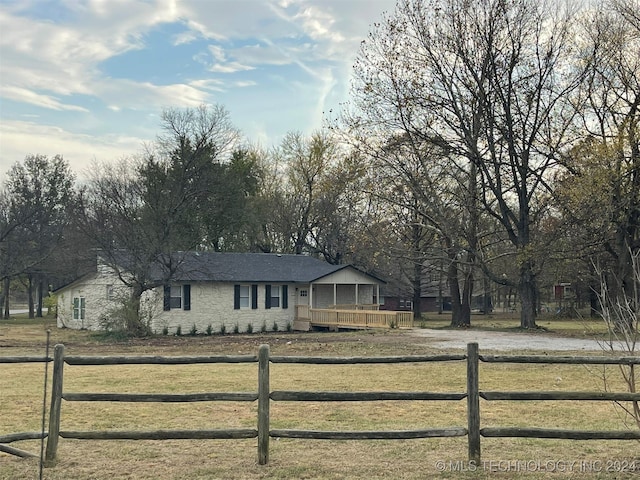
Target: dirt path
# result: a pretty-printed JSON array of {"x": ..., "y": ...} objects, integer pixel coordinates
[{"x": 452, "y": 339}]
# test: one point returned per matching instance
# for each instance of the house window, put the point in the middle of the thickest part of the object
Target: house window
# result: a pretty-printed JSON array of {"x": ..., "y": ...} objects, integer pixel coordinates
[
  {"x": 276, "y": 296},
  {"x": 111, "y": 293},
  {"x": 245, "y": 296},
  {"x": 304, "y": 293},
  {"x": 177, "y": 297},
  {"x": 406, "y": 304},
  {"x": 78, "y": 308}
]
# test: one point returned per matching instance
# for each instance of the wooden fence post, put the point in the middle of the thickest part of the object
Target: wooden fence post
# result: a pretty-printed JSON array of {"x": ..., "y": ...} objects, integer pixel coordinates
[
  {"x": 56, "y": 402},
  {"x": 263, "y": 405},
  {"x": 473, "y": 403}
]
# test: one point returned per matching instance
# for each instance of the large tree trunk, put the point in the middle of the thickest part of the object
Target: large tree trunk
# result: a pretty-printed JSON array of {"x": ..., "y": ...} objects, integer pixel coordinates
[
  {"x": 7, "y": 286},
  {"x": 41, "y": 284},
  {"x": 527, "y": 288},
  {"x": 460, "y": 309},
  {"x": 135, "y": 324},
  {"x": 487, "y": 304},
  {"x": 32, "y": 311},
  {"x": 457, "y": 318},
  {"x": 440, "y": 299},
  {"x": 467, "y": 295},
  {"x": 417, "y": 290}
]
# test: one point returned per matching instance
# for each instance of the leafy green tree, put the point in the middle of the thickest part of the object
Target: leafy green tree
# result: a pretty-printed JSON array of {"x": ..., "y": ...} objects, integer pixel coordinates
[
  {"x": 140, "y": 214},
  {"x": 227, "y": 213}
]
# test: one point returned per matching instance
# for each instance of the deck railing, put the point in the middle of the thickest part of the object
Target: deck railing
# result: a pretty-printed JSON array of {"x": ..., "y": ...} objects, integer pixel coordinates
[
  {"x": 355, "y": 306},
  {"x": 356, "y": 316},
  {"x": 361, "y": 318}
]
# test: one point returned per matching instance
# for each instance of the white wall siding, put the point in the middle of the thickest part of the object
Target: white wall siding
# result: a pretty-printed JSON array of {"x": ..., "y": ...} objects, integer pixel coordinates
[
  {"x": 347, "y": 275},
  {"x": 212, "y": 304},
  {"x": 94, "y": 290}
]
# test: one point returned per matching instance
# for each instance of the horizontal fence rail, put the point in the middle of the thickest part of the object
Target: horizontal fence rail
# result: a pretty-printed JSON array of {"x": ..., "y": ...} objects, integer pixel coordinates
[
  {"x": 560, "y": 433},
  {"x": 371, "y": 435},
  {"x": 306, "y": 396},
  {"x": 162, "y": 435},
  {"x": 58, "y": 395},
  {"x": 264, "y": 396},
  {"x": 563, "y": 359},
  {"x": 158, "y": 360},
  {"x": 567, "y": 434},
  {"x": 27, "y": 359},
  {"x": 365, "y": 360}
]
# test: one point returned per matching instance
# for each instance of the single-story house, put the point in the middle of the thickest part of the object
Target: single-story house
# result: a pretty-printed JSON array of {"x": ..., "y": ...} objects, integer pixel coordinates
[{"x": 230, "y": 291}]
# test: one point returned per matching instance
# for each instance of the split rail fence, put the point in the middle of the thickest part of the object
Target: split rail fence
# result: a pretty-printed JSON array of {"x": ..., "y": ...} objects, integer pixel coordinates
[{"x": 473, "y": 430}]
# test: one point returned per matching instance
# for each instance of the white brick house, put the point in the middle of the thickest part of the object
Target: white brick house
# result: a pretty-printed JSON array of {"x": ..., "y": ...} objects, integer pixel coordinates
[{"x": 242, "y": 291}]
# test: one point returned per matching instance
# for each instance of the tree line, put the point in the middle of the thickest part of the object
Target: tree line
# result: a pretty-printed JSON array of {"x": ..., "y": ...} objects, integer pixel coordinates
[{"x": 489, "y": 142}]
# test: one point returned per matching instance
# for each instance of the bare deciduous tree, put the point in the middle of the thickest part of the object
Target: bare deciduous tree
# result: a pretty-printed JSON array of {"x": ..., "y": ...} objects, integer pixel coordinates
[{"x": 488, "y": 81}]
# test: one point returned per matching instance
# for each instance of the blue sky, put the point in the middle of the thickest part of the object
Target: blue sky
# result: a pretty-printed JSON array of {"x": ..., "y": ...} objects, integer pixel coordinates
[{"x": 88, "y": 78}]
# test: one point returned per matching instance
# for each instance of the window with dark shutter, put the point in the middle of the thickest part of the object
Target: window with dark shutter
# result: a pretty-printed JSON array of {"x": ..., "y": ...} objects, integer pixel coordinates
[
  {"x": 236, "y": 297},
  {"x": 254, "y": 297},
  {"x": 186, "y": 297},
  {"x": 285, "y": 296},
  {"x": 267, "y": 296}
]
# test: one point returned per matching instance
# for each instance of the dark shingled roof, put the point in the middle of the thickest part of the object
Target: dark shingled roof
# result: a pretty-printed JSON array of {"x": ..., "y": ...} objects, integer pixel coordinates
[{"x": 252, "y": 267}]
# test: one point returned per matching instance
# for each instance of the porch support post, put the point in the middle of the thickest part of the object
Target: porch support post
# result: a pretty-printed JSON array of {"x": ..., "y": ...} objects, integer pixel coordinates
[
  {"x": 378, "y": 293},
  {"x": 335, "y": 294},
  {"x": 357, "y": 294},
  {"x": 310, "y": 298}
]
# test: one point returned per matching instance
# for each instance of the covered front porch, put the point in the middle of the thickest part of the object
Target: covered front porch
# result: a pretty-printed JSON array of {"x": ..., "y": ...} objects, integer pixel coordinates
[{"x": 348, "y": 298}]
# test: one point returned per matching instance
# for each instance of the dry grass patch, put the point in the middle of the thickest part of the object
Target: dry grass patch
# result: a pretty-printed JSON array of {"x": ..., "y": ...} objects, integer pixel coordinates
[{"x": 21, "y": 400}]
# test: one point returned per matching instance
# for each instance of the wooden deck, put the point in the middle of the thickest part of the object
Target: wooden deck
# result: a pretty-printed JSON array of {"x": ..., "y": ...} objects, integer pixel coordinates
[{"x": 333, "y": 318}]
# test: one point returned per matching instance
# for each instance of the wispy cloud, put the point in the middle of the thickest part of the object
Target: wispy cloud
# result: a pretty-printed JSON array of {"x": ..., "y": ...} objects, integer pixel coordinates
[
  {"x": 21, "y": 138},
  {"x": 245, "y": 83},
  {"x": 140, "y": 95},
  {"x": 28, "y": 96},
  {"x": 68, "y": 67}
]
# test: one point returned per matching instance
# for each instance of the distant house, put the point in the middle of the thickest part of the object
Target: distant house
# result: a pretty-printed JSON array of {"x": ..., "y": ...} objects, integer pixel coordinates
[
  {"x": 242, "y": 291},
  {"x": 434, "y": 294}
]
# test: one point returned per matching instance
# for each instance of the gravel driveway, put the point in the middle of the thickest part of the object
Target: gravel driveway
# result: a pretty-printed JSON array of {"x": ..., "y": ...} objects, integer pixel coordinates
[{"x": 451, "y": 339}]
